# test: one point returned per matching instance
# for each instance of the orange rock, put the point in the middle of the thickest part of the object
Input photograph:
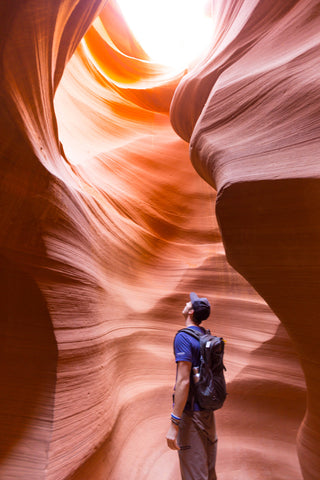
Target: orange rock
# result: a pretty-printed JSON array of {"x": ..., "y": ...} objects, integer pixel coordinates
[{"x": 106, "y": 227}]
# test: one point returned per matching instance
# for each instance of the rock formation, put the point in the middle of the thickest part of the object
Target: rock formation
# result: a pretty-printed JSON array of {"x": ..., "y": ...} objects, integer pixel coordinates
[
  {"x": 254, "y": 136},
  {"x": 106, "y": 227}
]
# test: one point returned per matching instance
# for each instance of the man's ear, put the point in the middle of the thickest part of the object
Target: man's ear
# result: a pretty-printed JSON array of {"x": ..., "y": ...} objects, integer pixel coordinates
[{"x": 191, "y": 312}]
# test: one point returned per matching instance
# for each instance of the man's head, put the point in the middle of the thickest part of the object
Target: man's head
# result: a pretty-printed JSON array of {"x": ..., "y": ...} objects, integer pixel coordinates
[{"x": 197, "y": 308}]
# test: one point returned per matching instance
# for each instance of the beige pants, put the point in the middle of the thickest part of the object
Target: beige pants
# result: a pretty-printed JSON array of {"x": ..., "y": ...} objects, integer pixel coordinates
[{"x": 198, "y": 446}]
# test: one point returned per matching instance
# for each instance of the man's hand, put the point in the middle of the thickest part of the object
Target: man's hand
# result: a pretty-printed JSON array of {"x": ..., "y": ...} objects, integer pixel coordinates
[{"x": 172, "y": 437}]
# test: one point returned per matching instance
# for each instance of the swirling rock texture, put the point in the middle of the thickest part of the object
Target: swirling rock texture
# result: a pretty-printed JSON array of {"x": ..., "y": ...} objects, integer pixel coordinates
[
  {"x": 106, "y": 227},
  {"x": 254, "y": 137}
]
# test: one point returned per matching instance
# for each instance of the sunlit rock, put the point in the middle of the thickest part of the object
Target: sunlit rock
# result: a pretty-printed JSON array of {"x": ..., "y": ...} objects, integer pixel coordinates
[
  {"x": 106, "y": 227},
  {"x": 254, "y": 136}
]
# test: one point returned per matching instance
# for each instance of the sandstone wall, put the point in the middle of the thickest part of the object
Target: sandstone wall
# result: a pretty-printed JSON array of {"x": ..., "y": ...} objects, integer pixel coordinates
[{"x": 106, "y": 227}]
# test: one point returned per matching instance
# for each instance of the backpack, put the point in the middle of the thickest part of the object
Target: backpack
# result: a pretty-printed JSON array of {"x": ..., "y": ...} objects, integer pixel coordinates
[{"x": 210, "y": 389}]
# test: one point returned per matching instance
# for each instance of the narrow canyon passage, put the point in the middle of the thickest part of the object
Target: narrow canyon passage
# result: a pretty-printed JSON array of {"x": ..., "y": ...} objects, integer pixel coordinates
[{"x": 126, "y": 184}]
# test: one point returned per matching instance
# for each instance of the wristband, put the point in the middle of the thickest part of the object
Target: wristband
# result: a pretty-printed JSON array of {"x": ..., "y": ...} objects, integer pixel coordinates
[
  {"x": 176, "y": 422},
  {"x": 175, "y": 417}
]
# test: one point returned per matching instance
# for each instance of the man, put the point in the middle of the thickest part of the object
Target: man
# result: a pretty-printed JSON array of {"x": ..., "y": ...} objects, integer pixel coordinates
[{"x": 192, "y": 431}]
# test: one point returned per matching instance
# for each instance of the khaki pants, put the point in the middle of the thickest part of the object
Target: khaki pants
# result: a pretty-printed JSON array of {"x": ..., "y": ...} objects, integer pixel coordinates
[{"x": 198, "y": 446}]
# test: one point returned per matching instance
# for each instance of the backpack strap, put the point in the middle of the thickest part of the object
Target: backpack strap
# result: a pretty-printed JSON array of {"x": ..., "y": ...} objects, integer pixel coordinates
[
  {"x": 194, "y": 333},
  {"x": 191, "y": 332}
]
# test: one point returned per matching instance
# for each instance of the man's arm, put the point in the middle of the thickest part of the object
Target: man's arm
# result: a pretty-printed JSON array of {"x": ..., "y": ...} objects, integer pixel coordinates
[{"x": 180, "y": 400}]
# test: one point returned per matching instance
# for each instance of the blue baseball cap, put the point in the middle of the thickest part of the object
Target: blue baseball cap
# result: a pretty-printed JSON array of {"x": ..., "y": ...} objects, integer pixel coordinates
[{"x": 200, "y": 306}]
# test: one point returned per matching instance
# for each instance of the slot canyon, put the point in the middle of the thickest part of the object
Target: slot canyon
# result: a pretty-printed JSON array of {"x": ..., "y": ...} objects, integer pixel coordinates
[{"x": 124, "y": 186}]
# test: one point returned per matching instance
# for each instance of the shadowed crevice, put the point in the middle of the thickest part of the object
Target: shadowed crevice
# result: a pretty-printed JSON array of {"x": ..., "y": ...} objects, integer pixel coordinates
[{"x": 27, "y": 373}]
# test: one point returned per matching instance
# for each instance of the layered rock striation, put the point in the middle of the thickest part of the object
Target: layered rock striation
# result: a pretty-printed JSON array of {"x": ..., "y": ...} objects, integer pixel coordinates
[
  {"x": 254, "y": 136},
  {"x": 106, "y": 227}
]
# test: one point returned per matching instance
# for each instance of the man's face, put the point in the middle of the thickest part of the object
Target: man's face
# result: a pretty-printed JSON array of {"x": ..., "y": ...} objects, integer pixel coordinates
[{"x": 187, "y": 309}]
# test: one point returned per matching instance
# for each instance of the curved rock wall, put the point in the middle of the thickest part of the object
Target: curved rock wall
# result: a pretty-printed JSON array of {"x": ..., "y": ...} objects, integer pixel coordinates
[
  {"x": 106, "y": 227},
  {"x": 254, "y": 136}
]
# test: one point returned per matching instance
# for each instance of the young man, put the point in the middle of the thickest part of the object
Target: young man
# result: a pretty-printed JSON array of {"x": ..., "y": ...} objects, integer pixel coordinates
[{"x": 192, "y": 431}]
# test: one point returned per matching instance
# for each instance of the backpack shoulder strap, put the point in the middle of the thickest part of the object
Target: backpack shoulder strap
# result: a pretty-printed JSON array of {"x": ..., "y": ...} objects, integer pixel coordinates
[
  {"x": 191, "y": 332},
  {"x": 194, "y": 333}
]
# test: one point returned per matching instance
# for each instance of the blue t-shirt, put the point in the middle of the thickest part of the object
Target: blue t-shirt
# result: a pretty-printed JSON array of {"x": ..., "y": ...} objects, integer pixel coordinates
[{"x": 187, "y": 349}]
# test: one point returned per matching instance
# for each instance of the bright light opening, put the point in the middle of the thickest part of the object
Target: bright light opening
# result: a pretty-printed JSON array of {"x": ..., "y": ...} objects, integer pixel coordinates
[{"x": 172, "y": 32}]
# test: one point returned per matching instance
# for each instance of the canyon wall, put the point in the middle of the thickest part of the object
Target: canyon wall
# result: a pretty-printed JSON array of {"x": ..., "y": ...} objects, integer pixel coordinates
[
  {"x": 106, "y": 227},
  {"x": 254, "y": 137}
]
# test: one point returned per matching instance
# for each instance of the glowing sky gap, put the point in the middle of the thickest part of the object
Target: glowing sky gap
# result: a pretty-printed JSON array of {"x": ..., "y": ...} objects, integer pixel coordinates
[{"x": 172, "y": 32}]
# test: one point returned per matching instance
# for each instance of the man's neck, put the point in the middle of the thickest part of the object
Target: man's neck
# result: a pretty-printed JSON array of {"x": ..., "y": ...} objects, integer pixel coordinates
[{"x": 190, "y": 323}]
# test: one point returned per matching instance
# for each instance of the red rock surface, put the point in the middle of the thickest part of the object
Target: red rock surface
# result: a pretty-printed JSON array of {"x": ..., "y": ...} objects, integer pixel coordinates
[{"x": 106, "y": 227}]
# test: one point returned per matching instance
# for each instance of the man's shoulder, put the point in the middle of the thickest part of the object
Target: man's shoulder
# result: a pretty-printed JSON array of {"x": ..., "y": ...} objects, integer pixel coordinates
[
  {"x": 182, "y": 336},
  {"x": 183, "y": 332},
  {"x": 183, "y": 346},
  {"x": 186, "y": 336},
  {"x": 191, "y": 332}
]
